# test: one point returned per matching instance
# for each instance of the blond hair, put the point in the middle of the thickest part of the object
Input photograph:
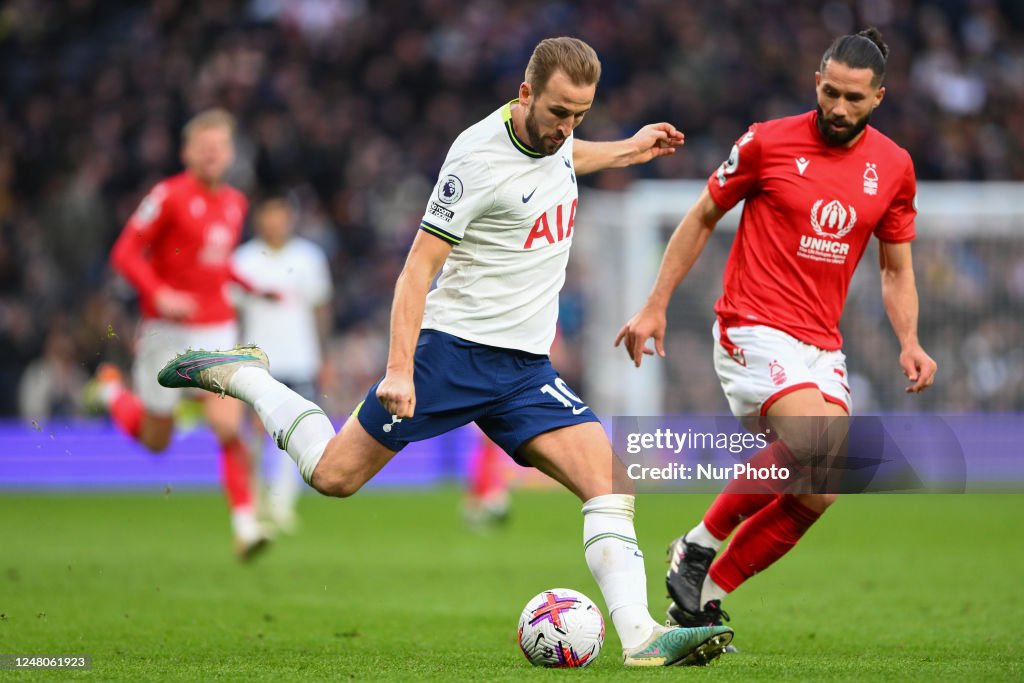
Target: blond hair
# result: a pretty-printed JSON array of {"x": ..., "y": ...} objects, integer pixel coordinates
[
  {"x": 209, "y": 118},
  {"x": 571, "y": 56}
]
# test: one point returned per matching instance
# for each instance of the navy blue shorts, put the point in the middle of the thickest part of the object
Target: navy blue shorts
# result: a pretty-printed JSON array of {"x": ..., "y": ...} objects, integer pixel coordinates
[{"x": 512, "y": 395}]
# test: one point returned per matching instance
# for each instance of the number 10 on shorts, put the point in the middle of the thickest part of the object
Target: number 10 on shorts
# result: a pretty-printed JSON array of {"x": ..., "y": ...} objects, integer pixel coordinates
[{"x": 563, "y": 394}]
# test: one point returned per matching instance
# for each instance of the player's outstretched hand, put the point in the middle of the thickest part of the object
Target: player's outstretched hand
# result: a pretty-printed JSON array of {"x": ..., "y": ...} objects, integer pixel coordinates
[
  {"x": 647, "y": 323},
  {"x": 919, "y": 368},
  {"x": 174, "y": 304},
  {"x": 397, "y": 395},
  {"x": 656, "y": 140},
  {"x": 271, "y": 295}
]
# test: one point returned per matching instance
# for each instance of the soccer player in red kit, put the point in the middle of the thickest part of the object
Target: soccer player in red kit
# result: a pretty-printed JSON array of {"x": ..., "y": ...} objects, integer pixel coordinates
[
  {"x": 817, "y": 187},
  {"x": 176, "y": 251}
]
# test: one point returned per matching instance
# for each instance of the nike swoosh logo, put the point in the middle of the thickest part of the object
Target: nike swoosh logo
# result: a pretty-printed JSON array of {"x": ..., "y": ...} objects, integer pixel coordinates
[
  {"x": 528, "y": 197},
  {"x": 577, "y": 411}
]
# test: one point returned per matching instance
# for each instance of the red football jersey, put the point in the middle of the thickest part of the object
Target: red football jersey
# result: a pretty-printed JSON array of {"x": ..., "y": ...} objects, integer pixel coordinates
[
  {"x": 810, "y": 211},
  {"x": 182, "y": 236}
]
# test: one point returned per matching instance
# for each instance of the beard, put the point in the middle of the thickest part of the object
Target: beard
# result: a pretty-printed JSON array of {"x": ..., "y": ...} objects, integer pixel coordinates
[
  {"x": 545, "y": 144},
  {"x": 841, "y": 136}
]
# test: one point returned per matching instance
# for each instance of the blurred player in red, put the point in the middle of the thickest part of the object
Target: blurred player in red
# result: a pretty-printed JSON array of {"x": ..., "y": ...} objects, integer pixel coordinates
[
  {"x": 176, "y": 251},
  {"x": 486, "y": 503},
  {"x": 817, "y": 187}
]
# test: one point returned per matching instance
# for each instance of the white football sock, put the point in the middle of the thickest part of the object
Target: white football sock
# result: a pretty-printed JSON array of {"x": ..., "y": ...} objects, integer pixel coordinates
[
  {"x": 297, "y": 425},
  {"x": 615, "y": 560},
  {"x": 284, "y": 485},
  {"x": 245, "y": 525},
  {"x": 701, "y": 536},
  {"x": 711, "y": 591},
  {"x": 109, "y": 392}
]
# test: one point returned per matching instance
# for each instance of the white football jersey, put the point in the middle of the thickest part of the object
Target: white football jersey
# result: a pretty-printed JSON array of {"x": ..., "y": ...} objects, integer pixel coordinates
[
  {"x": 286, "y": 328},
  {"x": 508, "y": 211}
]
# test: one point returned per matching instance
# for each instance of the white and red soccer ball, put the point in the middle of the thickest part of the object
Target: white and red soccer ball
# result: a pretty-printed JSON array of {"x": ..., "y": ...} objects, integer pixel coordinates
[{"x": 561, "y": 628}]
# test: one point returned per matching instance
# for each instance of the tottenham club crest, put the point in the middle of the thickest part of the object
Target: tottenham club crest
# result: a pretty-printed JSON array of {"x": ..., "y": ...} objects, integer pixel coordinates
[
  {"x": 450, "y": 189},
  {"x": 833, "y": 220}
]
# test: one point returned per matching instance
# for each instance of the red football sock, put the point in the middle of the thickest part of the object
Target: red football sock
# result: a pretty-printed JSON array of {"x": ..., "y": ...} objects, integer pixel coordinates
[
  {"x": 127, "y": 410},
  {"x": 762, "y": 540},
  {"x": 234, "y": 474},
  {"x": 743, "y": 497},
  {"x": 486, "y": 476}
]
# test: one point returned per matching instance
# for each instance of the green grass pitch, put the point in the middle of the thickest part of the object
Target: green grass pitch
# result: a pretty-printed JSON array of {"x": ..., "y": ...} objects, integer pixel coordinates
[{"x": 390, "y": 586}]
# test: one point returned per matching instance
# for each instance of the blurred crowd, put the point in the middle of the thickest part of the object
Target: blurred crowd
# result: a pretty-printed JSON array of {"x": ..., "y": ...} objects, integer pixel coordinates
[
  {"x": 350, "y": 105},
  {"x": 972, "y": 298}
]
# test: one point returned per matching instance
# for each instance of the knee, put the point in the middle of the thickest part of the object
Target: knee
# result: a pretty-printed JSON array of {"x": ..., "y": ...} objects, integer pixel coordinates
[
  {"x": 819, "y": 502},
  {"x": 333, "y": 485},
  {"x": 225, "y": 433},
  {"x": 156, "y": 445}
]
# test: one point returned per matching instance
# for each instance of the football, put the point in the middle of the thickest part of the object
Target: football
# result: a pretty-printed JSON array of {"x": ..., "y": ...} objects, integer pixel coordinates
[{"x": 561, "y": 628}]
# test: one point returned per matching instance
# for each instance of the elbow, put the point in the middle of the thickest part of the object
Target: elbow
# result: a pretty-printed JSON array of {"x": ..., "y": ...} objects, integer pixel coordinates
[
  {"x": 417, "y": 277},
  {"x": 897, "y": 278}
]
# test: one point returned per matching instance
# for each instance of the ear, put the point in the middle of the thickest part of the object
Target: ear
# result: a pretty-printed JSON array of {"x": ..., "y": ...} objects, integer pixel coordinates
[
  {"x": 879, "y": 96},
  {"x": 525, "y": 93},
  {"x": 817, "y": 80}
]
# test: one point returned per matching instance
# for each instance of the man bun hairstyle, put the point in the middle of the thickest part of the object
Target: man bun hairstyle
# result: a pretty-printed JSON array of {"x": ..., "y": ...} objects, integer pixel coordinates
[
  {"x": 864, "y": 50},
  {"x": 572, "y": 56}
]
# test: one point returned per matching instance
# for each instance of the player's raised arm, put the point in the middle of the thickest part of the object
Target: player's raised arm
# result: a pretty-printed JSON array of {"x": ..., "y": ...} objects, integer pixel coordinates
[
  {"x": 899, "y": 295},
  {"x": 684, "y": 247},
  {"x": 428, "y": 253},
  {"x": 650, "y": 142}
]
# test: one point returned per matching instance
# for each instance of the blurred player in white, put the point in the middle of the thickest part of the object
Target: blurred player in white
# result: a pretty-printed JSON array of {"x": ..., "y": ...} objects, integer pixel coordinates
[
  {"x": 292, "y": 327},
  {"x": 500, "y": 222},
  {"x": 176, "y": 252}
]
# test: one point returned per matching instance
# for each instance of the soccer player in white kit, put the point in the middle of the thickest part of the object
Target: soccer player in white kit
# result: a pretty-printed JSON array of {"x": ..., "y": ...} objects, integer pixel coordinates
[
  {"x": 500, "y": 223},
  {"x": 291, "y": 327}
]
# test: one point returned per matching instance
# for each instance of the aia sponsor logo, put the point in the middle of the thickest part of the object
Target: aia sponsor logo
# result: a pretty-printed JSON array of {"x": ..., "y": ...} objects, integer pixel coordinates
[
  {"x": 550, "y": 229},
  {"x": 777, "y": 373}
]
